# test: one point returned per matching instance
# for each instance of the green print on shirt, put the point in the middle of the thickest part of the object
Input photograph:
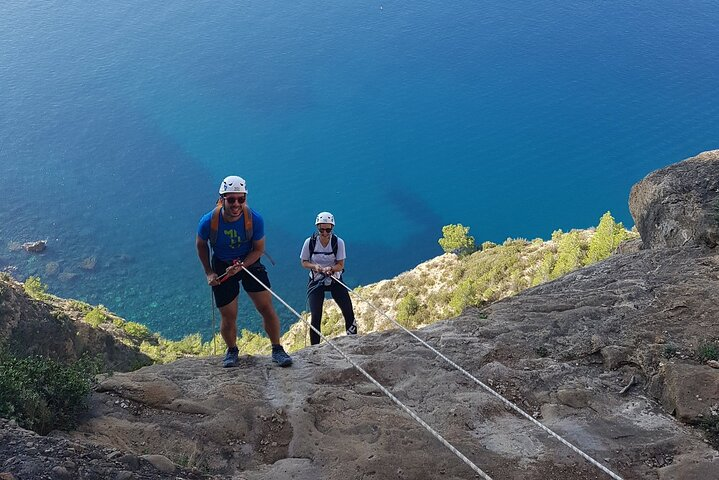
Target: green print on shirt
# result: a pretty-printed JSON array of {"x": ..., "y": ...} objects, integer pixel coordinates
[{"x": 235, "y": 240}]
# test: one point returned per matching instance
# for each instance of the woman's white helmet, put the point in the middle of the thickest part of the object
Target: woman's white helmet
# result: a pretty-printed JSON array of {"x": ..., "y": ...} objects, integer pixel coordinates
[
  {"x": 233, "y": 184},
  {"x": 325, "y": 217}
]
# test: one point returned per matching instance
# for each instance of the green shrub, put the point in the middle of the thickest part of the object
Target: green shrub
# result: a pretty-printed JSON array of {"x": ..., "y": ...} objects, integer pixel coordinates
[
  {"x": 708, "y": 351},
  {"x": 97, "y": 316},
  {"x": 136, "y": 330},
  {"x": 190, "y": 345},
  {"x": 407, "y": 310},
  {"x": 43, "y": 395},
  {"x": 606, "y": 238},
  {"x": 670, "y": 350},
  {"x": 333, "y": 323},
  {"x": 162, "y": 350},
  {"x": 487, "y": 245},
  {"x": 456, "y": 239},
  {"x": 252, "y": 343},
  {"x": 464, "y": 295},
  {"x": 515, "y": 242},
  {"x": 569, "y": 254},
  {"x": 544, "y": 272},
  {"x": 79, "y": 306},
  {"x": 35, "y": 288}
]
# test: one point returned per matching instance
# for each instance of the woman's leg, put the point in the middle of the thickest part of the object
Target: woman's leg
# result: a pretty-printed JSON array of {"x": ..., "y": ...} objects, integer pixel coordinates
[
  {"x": 315, "y": 299},
  {"x": 342, "y": 297}
]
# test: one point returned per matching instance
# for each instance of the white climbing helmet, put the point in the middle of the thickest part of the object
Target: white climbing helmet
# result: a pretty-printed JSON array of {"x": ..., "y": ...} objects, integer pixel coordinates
[
  {"x": 325, "y": 217},
  {"x": 233, "y": 184}
]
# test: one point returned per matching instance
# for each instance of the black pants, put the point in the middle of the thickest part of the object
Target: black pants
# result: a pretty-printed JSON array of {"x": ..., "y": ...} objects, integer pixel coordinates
[{"x": 315, "y": 299}]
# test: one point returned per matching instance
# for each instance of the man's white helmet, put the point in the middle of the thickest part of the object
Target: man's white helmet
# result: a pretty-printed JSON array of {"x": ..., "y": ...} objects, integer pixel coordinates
[
  {"x": 233, "y": 184},
  {"x": 325, "y": 217}
]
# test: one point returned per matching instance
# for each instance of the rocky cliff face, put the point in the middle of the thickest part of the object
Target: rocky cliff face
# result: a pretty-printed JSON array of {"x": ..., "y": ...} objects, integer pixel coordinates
[
  {"x": 679, "y": 205},
  {"x": 52, "y": 329},
  {"x": 609, "y": 357}
]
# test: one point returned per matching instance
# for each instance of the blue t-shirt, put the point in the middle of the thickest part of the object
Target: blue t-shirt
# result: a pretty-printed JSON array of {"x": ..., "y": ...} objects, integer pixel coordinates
[{"x": 232, "y": 243}]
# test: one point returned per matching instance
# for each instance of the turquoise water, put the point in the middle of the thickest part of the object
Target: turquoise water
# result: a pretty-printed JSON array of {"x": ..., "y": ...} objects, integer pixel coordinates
[{"x": 117, "y": 123}]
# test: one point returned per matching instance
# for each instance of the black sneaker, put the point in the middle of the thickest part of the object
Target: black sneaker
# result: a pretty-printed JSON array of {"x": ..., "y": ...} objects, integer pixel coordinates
[
  {"x": 280, "y": 357},
  {"x": 352, "y": 330},
  {"x": 231, "y": 358}
]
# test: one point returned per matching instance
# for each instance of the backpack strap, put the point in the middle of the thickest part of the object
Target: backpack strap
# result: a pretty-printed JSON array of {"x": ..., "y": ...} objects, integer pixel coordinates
[
  {"x": 313, "y": 242},
  {"x": 214, "y": 225},
  {"x": 248, "y": 221},
  {"x": 215, "y": 222}
]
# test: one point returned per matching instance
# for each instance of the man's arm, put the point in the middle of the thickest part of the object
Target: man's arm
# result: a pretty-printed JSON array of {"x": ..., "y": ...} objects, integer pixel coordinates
[{"x": 203, "y": 253}]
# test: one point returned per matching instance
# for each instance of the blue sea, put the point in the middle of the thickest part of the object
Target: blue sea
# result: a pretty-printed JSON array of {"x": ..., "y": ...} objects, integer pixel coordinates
[{"x": 118, "y": 120}]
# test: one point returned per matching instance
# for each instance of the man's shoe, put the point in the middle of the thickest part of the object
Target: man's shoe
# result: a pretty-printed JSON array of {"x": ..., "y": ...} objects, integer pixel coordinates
[
  {"x": 231, "y": 358},
  {"x": 280, "y": 357},
  {"x": 352, "y": 330}
]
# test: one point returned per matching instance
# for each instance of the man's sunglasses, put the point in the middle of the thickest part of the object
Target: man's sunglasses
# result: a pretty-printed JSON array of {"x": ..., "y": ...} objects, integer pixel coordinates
[
  {"x": 233, "y": 200},
  {"x": 327, "y": 230}
]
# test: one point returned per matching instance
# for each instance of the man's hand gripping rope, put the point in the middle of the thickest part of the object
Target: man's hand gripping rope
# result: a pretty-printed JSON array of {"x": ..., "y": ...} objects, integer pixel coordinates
[{"x": 236, "y": 266}]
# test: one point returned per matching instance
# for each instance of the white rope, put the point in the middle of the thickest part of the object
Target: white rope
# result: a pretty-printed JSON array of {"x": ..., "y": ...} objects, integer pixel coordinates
[
  {"x": 214, "y": 324},
  {"x": 379, "y": 385},
  {"x": 488, "y": 388}
]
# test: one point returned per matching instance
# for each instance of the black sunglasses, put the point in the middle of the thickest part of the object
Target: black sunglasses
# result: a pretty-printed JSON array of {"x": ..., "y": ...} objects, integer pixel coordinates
[
  {"x": 233, "y": 200},
  {"x": 328, "y": 230}
]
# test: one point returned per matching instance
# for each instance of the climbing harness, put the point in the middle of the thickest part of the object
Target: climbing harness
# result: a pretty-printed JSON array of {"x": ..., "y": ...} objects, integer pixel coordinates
[
  {"x": 488, "y": 389},
  {"x": 379, "y": 385}
]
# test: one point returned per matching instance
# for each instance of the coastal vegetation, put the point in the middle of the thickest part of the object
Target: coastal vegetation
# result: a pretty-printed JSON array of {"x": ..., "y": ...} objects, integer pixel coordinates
[
  {"x": 469, "y": 277},
  {"x": 456, "y": 239},
  {"x": 41, "y": 394},
  {"x": 465, "y": 276}
]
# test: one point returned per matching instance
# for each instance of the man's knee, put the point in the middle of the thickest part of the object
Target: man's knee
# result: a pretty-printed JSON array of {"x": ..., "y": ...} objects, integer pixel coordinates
[{"x": 267, "y": 311}]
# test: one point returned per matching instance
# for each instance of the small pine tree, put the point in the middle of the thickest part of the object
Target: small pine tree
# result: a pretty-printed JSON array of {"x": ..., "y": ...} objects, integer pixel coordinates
[
  {"x": 464, "y": 295},
  {"x": 569, "y": 254},
  {"x": 544, "y": 272},
  {"x": 602, "y": 243},
  {"x": 607, "y": 237},
  {"x": 456, "y": 239},
  {"x": 407, "y": 309}
]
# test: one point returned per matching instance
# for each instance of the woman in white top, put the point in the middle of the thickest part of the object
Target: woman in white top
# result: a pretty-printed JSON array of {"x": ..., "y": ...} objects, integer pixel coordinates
[{"x": 324, "y": 255}]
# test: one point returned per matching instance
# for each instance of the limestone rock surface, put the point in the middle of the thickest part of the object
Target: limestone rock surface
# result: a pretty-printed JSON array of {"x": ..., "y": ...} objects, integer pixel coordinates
[
  {"x": 603, "y": 356},
  {"x": 679, "y": 205}
]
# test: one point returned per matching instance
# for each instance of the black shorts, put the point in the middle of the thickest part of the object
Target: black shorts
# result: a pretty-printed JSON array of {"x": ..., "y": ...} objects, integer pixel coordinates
[{"x": 228, "y": 290}]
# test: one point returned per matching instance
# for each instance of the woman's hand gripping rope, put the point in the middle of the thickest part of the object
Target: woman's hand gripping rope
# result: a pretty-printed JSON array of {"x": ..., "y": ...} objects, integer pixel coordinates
[{"x": 327, "y": 271}]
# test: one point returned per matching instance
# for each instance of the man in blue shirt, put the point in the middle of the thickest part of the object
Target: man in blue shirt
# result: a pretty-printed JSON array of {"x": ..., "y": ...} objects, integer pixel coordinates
[{"x": 237, "y": 236}]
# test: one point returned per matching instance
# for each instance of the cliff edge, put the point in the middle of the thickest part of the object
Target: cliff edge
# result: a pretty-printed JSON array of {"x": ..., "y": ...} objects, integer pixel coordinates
[{"x": 614, "y": 357}]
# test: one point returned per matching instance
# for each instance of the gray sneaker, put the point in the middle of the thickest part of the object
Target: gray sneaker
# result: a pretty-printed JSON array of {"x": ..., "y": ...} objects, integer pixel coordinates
[
  {"x": 280, "y": 357},
  {"x": 231, "y": 358}
]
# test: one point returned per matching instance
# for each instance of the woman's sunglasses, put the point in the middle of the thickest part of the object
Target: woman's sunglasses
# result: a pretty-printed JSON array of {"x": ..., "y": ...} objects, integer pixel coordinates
[{"x": 327, "y": 230}]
